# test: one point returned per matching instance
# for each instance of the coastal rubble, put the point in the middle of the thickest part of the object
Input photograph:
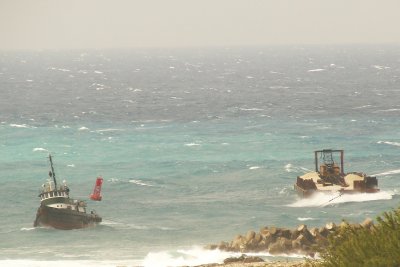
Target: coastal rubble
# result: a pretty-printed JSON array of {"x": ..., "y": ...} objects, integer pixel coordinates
[{"x": 279, "y": 241}]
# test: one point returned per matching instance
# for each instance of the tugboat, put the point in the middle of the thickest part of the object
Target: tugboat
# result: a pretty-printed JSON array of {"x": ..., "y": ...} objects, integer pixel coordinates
[
  {"x": 329, "y": 177},
  {"x": 58, "y": 210}
]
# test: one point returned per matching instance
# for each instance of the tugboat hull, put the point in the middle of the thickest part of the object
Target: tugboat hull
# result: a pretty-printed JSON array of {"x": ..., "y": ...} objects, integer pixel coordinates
[{"x": 65, "y": 219}]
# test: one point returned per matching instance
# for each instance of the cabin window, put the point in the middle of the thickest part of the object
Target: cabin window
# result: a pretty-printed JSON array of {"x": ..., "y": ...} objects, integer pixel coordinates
[{"x": 51, "y": 194}]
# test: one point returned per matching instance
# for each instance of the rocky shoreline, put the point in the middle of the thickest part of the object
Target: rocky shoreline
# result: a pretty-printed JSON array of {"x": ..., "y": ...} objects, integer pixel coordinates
[
  {"x": 284, "y": 241},
  {"x": 245, "y": 261}
]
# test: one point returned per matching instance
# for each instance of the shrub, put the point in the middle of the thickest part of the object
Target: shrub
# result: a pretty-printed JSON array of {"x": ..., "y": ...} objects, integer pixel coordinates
[{"x": 352, "y": 245}]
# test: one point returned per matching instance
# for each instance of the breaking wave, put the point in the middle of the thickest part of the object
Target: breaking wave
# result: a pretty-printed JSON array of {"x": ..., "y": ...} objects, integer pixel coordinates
[
  {"x": 387, "y": 173},
  {"x": 389, "y": 143},
  {"x": 324, "y": 199},
  {"x": 196, "y": 256},
  {"x": 66, "y": 263}
]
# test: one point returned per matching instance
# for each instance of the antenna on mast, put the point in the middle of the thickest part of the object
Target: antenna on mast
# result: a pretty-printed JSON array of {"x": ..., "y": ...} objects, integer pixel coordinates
[{"x": 52, "y": 173}]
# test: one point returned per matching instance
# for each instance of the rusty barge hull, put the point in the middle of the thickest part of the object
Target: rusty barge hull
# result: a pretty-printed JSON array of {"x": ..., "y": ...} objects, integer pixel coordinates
[{"x": 329, "y": 177}]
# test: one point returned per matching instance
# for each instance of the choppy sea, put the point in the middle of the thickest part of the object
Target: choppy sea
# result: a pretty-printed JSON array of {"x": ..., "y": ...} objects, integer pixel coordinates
[{"x": 195, "y": 145}]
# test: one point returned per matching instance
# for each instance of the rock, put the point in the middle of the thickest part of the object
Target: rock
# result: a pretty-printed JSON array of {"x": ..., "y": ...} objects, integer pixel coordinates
[
  {"x": 264, "y": 230},
  {"x": 211, "y": 247},
  {"x": 286, "y": 233},
  {"x": 269, "y": 238},
  {"x": 296, "y": 245},
  {"x": 303, "y": 240},
  {"x": 273, "y": 230},
  {"x": 343, "y": 224},
  {"x": 237, "y": 243},
  {"x": 242, "y": 259},
  {"x": 367, "y": 223},
  {"x": 253, "y": 259},
  {"x": 314, "y": 231},
  {"x": 330, "y": 226},
  {"x": 223, "y": 245},
  {"x": 250, "y": 235},
  {"x": 301, "y": 227},
  {"x": 258, "y": 237},
  {"x": 324, "y": 232}
]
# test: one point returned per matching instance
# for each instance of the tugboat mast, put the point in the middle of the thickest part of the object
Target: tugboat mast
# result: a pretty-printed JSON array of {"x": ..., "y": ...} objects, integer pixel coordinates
[{"x": 52, "y": 174}]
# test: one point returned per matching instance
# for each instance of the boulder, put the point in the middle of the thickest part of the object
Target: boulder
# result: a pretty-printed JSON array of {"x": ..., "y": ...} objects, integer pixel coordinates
[
  {"x": 330, "y": 226},
  {"x": 303, "y": 240},
  {"x": 280, "y": 246},
  {"x": 223, "y": 245},
  {"x": 264, "y": 230},
  {"x": 250, "y": 235},
  {"x": 273, "y": 230},
  {"x": 238, "y": 243},
  {"x": 367, "y": 223},
  {"x": 243, "y": 259},
  {"x": 286, "y": 233}
]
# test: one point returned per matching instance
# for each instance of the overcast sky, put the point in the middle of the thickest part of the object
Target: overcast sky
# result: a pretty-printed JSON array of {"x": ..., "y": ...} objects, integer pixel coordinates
[{"x": 71, "y": 24}]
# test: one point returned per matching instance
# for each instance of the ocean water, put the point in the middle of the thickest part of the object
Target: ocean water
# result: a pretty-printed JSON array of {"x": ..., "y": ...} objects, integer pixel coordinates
[{"x": 195, "y": 145}]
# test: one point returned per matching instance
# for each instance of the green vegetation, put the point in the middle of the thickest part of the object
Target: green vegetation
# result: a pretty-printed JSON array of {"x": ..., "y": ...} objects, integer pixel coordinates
[{"x": 377, "y": 245}]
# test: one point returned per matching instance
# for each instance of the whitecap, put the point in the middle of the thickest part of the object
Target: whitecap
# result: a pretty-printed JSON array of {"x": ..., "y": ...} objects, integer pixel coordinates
[
  {"x": 251, "y": 109},
  {"x": 39, "y": 149},
  {"x": 361, "y": 107},
  {"x": 387, "y": 110},
  {"x": 254, "y": 167},
  {"x": 289, "y": 167},
  {"x": 316, "y": 70},
  {"x": 389, "y": 143},
  {"x": 83, "y": 128},
  {"x": 387, "y": 173},
  {"x": 279, "y": 87},
  {"x": 98, "y": 72},
  {"x": 380, "y": 67},
  {"x": 27, "y": 228},
  {"x": 109, "y": 130},
  {"x": 19, "y": 125},
  {"x": 71, "y": 165},
  {"x": 192, "y": 144},
  {"x": 305, "y": 219},
  {"x": 139, "y": 182}
]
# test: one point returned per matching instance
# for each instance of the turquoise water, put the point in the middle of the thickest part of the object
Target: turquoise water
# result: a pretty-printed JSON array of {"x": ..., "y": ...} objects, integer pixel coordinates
[{"x": 194, "y": 146}]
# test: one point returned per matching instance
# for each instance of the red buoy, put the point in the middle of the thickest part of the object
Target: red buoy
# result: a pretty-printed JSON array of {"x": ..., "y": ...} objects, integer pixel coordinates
[{"x": 96, "y": 195}]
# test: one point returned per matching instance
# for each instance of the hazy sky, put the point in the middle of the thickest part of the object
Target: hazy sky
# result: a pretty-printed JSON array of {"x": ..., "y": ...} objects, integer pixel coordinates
[{"x": 70, "y": 24}]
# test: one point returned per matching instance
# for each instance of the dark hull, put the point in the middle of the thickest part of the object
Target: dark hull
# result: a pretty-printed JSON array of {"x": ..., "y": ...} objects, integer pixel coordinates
[{"x": 65, "y": 219}]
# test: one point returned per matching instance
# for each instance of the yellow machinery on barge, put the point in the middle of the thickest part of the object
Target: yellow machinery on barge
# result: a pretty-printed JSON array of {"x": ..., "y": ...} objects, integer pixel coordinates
[{"x": 329, "y": 176}]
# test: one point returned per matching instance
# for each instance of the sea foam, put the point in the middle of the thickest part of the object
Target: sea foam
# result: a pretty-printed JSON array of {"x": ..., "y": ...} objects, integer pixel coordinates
[
  {"x": 197, "y": 256},
  {"x": 325, "y": 199},
  {"x": 66, "y": 263}
]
